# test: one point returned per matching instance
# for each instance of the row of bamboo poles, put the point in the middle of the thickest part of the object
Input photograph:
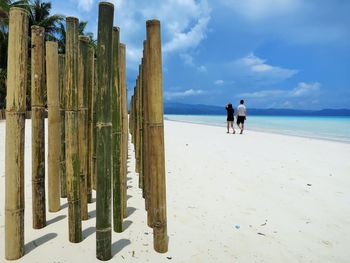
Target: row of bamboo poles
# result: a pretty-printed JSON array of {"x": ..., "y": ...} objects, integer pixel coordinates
[
  {"x": 147, "y": 129},
  {"x": 87, "y": 129}
]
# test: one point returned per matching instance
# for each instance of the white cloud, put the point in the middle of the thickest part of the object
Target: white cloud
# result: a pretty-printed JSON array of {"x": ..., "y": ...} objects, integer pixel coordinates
[
  {"x": 304, "y": 89},
  {"x": 202, "y": 68},
  {"x": 85, "y": 5},
  {"x": 184, "y": 24},
  {"x": 181, "y": 94},
  {"x": 187, "y": 58},
  {"x": 253, "y": 70},
  {"x": 219, "y": 82}
]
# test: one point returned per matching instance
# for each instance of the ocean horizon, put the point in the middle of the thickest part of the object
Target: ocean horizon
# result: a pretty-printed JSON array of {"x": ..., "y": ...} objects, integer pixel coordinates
[{"x": 334, "y": 128}]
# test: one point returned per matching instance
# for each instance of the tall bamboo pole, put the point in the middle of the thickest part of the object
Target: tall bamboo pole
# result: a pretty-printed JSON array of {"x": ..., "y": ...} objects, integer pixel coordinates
[
  {"x": 122, "y": 56},
  {"x": 104, "y": 131},
  {"x": 124, "y": 147},
  {"x": 71, "y": 126},
  {"x": 91, "y": 105},
  {"x": 15, "y": 123},
  {"x": 156, "y": 137},
  {"x": 62, "y": 86},
  {"x": 38, "y": 128},
  {"x": 116, "y": 135},
  {"x": 140, "y": 133},
  {"x": 83, "y": 121},
  {"x": 94, "y": 128},
  {"x": 54, "y": 135}
]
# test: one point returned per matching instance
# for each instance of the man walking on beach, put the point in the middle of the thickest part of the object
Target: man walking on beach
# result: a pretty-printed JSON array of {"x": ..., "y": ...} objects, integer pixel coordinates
[{"x": 241, "y": 115}]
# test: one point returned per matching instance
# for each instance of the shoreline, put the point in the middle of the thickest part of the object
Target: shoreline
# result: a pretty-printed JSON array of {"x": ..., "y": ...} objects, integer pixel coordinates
[{"x": 263, "y": 131}]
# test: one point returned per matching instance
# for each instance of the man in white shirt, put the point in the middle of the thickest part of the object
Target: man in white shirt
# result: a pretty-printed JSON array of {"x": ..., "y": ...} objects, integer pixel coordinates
[{"x": 241, "y": 115}]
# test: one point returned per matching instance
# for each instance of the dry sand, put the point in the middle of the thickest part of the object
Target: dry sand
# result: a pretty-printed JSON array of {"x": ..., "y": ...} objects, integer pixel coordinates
[{"x": 256, "y": 197}]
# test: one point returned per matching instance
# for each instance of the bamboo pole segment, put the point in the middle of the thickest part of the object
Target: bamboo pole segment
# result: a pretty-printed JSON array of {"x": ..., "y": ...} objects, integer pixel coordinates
[
  {"x": 54, "y": 136},
  {"x": 116, "y": 135},
  {"x": 15, "y": 124},
  {"x": 156, "y": 137},
  {"x": 144, "y": 131},
  {"x": 122, "y": 57},
  {"x": 71, "y": 132},
  {"x": 83, "y": 122},
  {"x": 104, "y": 131},
  {"x": 140, "y": 120},
  {"x": 131, "y": 121},
  {"x": 94, "y": 128},
  {"x": 91, "y": 105},
  {"x": 137, "y": 133},
  {"x": 38, "y": 127},
  {"x": 61, "y": 85}
]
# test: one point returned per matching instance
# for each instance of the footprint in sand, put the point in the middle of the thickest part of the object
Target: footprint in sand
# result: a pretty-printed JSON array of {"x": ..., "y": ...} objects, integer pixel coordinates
[{"x": 327, "y": 243}]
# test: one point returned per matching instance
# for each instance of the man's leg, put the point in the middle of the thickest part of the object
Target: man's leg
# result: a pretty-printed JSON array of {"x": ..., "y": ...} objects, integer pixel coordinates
[{"x": 228, "y": 126}]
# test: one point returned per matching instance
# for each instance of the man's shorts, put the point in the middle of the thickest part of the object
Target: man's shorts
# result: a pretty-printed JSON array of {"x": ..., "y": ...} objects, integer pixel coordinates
[{"x": 240, "y": 119}]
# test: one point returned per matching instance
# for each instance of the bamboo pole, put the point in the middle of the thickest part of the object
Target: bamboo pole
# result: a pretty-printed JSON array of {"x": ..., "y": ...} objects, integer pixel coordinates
[
  {"x": 140, "y": 133},
  {"x": 156, "y": 137},
  {"x": 104, "y": 131},
  {"x": 15, "y": 124},
  {"x": 91, "y": 106},
  {"x": 116, "y": 135},
  {"x": 94, "y": 128},
  {"x": 53, "y": 126},
  {"x": 61, "y": 84},
  {"x": 71, "y": 126},
  {"x": 83, "y": 121},
  {"x": 122, "y": 57},
  {"x": 38, "y": 127}
]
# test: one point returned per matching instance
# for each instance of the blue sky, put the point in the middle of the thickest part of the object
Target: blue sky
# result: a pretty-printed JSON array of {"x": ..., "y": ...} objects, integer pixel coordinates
[{"x": 272, "y": 53}]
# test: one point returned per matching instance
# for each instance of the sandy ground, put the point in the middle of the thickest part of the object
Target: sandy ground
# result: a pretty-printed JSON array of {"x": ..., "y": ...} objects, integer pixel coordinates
[{"x": 255, "y": 197}]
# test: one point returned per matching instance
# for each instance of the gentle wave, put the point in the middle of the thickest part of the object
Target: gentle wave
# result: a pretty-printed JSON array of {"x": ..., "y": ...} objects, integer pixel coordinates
[{"x": 327, "y": 128}]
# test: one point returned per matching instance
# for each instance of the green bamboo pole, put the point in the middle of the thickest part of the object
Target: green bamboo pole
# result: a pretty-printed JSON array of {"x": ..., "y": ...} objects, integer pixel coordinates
[
  {"x": 83, "y": 121},
  {"x": 61, "y": 84},
  {"x": 156, "y": 137},
  {"x": 94, "y": 128},
  {"x": 71, "y": 126},
  {"x": 122, "y": 57},
  {"x": 38, "y": 127},
  {"x": 116, "y": 135},
  {"x": 15, "y": 125},
  {"x": 91, "y": 97},
  {"x": 54, "y": 136},
  {"x": 104, "y": 131}
]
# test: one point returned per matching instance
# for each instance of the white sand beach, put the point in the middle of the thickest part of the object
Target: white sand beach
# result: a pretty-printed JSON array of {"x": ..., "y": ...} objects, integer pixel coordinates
[{"x": 256, "y": 197}]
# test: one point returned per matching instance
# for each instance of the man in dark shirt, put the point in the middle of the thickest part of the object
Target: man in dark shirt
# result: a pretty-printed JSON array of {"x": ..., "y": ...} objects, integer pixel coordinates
[{"x": 230, "y": 118}]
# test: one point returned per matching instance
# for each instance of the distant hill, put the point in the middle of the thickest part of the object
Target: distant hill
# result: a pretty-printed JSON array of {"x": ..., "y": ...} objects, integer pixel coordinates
[{"x": 200, "y": 109}]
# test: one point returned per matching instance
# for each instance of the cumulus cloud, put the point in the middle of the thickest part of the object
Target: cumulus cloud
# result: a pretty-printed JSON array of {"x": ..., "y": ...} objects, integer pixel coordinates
[
  {"x": 184, "y": 23},
  {"x": 85, "y": 5},
  {"x": 182, "y": 94},
  {"x": 202, "y": 68},
  {"x": 252, "y": 70},
  {"x": 304, "y": 89}
]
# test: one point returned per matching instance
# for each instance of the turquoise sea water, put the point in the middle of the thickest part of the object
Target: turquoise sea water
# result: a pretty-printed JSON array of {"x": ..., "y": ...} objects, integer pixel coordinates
[{"x": 328, "y": 128}]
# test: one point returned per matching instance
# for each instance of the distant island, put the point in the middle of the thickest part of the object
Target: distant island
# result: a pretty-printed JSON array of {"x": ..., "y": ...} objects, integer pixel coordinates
[{"x": 200, "y": 109}]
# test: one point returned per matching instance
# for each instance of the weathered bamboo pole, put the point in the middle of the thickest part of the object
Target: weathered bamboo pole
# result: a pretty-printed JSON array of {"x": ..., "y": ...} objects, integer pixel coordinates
[
  {"x": 122, "y": 57},
  {"x": 116, "y": 135},
  {"x": 54, "y": 136},
  {"x": 156, "y": 137},
  {"x": 140, "y": 133},
  {"x": 62, "y": 86},
  {"x": 131, "y": 126},
  {"x": 94, "y": 128},
  {"x": 83, "y": 121},
  {"x": 91, "y": 105},
  {"x": 71, "y": 126},
  {"x": 104, "y": 131},
  {"x": 15, "y": 124},
  {"x": 38, "y": 127}
]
